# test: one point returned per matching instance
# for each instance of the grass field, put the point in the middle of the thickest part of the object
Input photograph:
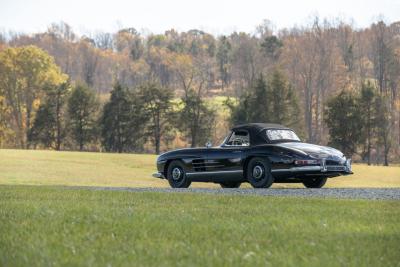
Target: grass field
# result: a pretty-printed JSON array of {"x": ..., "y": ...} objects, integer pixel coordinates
[
  {"x": 50, "y": 226},
  {"x": 46, "y": 225},
  {"x": 32, "y": 167}
]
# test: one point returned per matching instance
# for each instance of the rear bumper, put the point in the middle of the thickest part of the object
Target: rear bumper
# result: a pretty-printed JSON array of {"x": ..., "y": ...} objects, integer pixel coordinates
[{"x": 158, "y": 175}]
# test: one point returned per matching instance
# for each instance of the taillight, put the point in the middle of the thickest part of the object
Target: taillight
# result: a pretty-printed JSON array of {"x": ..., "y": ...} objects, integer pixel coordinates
[{"x": 306, "y": 162}]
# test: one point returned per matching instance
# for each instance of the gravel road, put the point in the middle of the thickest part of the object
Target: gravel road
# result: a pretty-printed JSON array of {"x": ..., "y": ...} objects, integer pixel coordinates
[{"x": 345, "y": 193}]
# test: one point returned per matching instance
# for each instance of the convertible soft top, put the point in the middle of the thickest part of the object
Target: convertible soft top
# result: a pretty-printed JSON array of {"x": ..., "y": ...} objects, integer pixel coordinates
[
  {"x": 254, "y": 130},
  {"x": 259, "y": 126}
]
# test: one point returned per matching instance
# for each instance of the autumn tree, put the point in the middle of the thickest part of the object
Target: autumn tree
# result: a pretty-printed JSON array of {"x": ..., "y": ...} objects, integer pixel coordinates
[
  {"x": 5, "y": 130},
  {"x": 89, "y": 60},
  {"x": 82, "y": 115},
  {"x": 24, "y": 73}
]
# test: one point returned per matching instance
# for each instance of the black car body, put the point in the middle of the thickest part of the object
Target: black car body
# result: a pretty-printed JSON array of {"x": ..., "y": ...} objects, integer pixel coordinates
[{"x": 258, "y": 153}]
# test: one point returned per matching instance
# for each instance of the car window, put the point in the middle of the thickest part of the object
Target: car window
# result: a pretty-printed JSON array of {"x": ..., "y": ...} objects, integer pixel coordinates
[
  {"x": 277, "y": 134},
  {"x": 239, "y": 138}
]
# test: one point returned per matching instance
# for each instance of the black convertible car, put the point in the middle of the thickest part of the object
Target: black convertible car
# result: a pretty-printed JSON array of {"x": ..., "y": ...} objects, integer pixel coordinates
[{"x": 258, "y": 153}]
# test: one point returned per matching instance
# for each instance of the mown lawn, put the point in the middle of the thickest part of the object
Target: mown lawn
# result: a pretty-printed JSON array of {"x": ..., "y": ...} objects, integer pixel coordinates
[
  {"x": 35, "y": 167},
  {"x": 53, "y": 226}
]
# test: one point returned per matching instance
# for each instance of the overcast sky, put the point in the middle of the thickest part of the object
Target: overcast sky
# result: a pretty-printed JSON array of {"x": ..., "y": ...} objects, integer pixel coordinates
[{"x": 215, "y": 16}]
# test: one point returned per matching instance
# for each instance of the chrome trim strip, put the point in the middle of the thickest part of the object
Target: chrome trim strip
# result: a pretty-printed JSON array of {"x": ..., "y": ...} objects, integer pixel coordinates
[
  {"x": 303, "y": 168},
  {"x": 213, "y": 172},
  {"x": 322, "y": 168}
]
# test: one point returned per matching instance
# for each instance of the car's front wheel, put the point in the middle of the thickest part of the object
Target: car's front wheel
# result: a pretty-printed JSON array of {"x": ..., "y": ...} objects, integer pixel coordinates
[
  {"x": 176, "y": 175},
  {"x": 317, "y": 182},
  {"x": 258, "y": 173},
  {"x": 230, "y": 184}
]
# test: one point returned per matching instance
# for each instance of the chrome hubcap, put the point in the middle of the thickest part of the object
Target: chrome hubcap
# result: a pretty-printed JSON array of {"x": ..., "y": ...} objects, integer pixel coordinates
[
  {"x": 258, "y": 172},
  {"x": 176, "y": 173}
]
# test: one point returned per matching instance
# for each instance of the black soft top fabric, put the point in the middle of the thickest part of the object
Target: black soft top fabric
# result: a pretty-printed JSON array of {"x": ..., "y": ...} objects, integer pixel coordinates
[{"x": 255, "y": 129}]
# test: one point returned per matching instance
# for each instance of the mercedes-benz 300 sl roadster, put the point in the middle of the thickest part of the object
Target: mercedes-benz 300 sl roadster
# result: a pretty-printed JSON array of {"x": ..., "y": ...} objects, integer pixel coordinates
[{"x": 257, "y": 153}]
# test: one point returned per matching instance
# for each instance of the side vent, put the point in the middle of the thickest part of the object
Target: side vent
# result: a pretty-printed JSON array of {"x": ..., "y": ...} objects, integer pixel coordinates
[{"x": 199, "y": 165}]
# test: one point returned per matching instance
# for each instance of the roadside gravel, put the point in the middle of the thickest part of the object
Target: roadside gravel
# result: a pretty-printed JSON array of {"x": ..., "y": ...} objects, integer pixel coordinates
[{"x": 345, "y": 193}]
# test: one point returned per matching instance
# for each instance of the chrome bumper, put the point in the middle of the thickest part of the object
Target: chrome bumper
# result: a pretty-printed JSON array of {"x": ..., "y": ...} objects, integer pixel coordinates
[
  {"x": 158, "y": 175},
  {"x": 346, "y": 168}
]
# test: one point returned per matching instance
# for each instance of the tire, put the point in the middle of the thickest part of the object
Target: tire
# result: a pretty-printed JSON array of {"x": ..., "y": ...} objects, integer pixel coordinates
[
  {"x": 258, "y": 173},
  {"x": 230, "y": 184},
  {"x": 176, "y": 175},
  {"x": 315, "y": 182}
]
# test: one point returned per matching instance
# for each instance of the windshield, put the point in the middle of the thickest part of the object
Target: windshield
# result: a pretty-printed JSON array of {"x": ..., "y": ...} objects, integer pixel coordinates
[{"x": 274, "y": 135}]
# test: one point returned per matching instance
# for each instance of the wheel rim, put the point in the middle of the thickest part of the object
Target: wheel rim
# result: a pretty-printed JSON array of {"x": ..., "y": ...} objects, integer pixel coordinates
[
  {"x": 176, "y": 173},
  {"x": 258, "y": 172}
]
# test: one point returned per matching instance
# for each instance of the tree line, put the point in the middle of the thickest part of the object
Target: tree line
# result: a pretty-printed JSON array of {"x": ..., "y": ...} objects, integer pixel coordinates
[
  {"x": 360, "y": 122},
  {"x": 295, "y": 72}
]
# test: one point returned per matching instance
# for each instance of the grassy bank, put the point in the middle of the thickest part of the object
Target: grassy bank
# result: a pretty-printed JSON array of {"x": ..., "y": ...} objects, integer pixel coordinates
[
  {"x": 34, "y": 167},
  {"x": 42, "y": 226}
]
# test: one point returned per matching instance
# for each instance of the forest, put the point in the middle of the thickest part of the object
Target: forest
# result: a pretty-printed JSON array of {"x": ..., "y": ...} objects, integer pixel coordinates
[{"x": 129, "y": 91}]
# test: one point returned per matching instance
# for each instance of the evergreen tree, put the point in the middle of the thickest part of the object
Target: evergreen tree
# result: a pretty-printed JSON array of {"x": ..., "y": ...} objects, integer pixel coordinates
[
  {"x": 49, "y": 124},
  {"x": 196, "y": 119},
  {"x": 383, "y": 126},
  {"x": 159, "y": 110},
  {"x": 44, "y": 127},
  {"x": 252, "y": 105},
  {"x": 344, "y": 122},
  {"x": 274, "y": 101},
  {"x": 283, "y": 101},
  {"x": 367, "y": 109},
  {"x": 82, "y": 112},
  {"x": 271, "y": 46},
  {"x": 223, "y": 59},
  {"x": 123, "y": 121}
]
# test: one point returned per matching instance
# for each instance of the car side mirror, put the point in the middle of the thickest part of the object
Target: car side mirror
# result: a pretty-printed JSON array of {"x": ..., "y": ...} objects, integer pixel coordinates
[{"x": 208, "y": 144}]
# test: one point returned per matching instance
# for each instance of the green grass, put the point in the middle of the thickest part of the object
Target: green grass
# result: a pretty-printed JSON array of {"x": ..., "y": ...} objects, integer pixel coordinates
[
  {"x": 50, "y": 226},
  {"x": 34, "y": 167}
]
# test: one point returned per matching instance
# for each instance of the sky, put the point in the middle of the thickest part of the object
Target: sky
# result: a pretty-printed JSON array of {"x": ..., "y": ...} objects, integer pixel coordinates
[{"x": 214, "y": 16}]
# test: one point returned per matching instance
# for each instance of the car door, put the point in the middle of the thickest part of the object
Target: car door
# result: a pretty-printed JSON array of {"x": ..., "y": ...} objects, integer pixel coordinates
[{"x": 226, "y": 161}]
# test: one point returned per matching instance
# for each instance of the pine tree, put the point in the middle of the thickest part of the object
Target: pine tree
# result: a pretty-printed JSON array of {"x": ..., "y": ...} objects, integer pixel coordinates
[
  {"x": 123, "y": 122},
  {"x": 82, "y": 112},
  {"x": 383, "y": 126},
  {"x": 283, "y": 101},
  {"x": 274, "y": 101},
  {"x": 367, "y": 108},
  {"x": 49, "y": 124},
  {"x": 344, "y": 122},
  {"x": 159, "y": 110},
  {"x": 196, "y": 119}
]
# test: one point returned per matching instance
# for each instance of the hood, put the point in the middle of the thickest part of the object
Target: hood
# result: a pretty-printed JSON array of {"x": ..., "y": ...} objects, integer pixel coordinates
[
  {"x": 313, "y": 150},
  {"x": 181, "y": 153}
]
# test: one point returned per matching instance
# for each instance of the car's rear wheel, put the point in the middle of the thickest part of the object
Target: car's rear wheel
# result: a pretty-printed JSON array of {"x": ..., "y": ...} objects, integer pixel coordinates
[
  {"x": 317, "y": 182},
  {"x": 258, "y": 173},
  {"x": 176, "y": 175},
  {"x": 230, "y": 184}
]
